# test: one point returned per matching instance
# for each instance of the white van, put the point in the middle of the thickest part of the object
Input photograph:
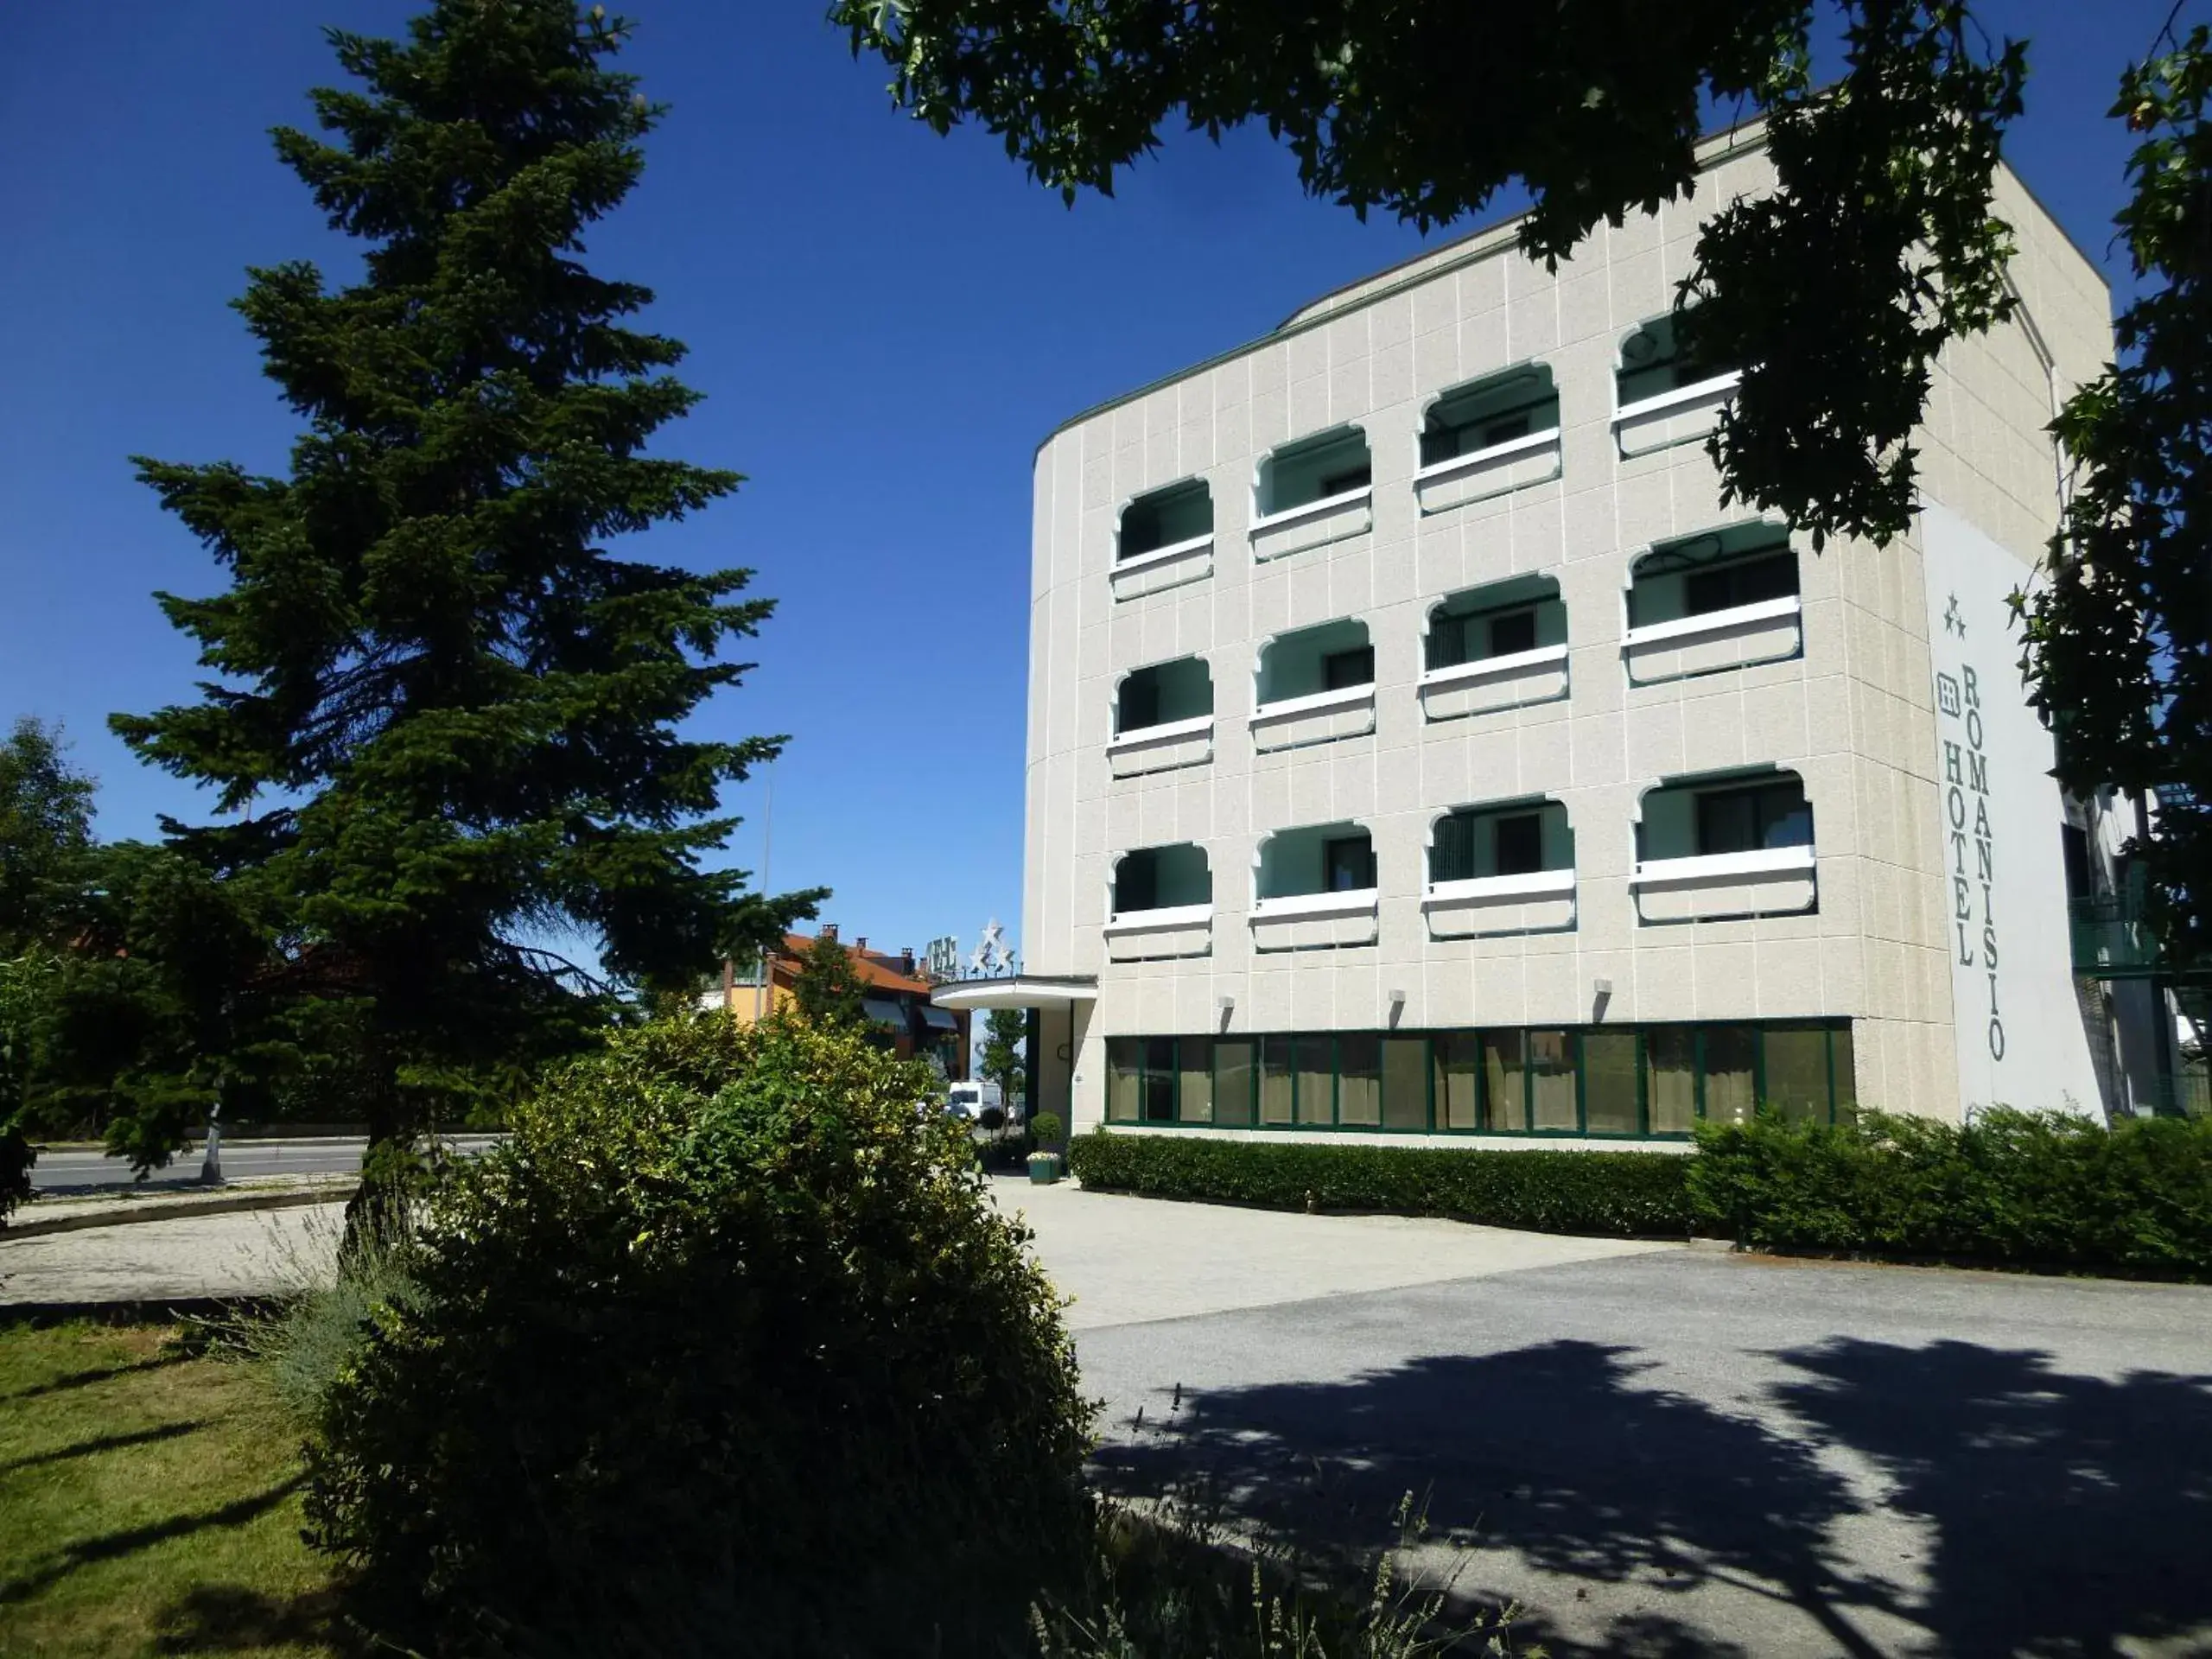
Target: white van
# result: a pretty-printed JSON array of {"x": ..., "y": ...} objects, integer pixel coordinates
[{"x": 969, "y": 1099}]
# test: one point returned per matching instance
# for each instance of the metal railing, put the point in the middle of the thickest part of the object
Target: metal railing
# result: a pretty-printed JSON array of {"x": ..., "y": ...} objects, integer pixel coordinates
[{"x": 2111, "y": 938}]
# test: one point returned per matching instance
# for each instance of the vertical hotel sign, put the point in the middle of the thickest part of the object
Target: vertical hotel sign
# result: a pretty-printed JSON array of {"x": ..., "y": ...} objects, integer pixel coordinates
[
  {"x": 1969, "y": 832},
  {"x": 2019, "y": 1039}
]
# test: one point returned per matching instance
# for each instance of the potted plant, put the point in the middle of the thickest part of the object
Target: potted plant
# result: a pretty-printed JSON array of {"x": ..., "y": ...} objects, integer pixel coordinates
[{"x": 1044, "y": 1163}]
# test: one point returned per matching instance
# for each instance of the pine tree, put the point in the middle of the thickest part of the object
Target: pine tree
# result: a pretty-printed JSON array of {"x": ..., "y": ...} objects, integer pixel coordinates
[
  {"x": 459, "y": 709},
  {"x": 827, "y": 987},
  {"x": 45, "y": 831}
]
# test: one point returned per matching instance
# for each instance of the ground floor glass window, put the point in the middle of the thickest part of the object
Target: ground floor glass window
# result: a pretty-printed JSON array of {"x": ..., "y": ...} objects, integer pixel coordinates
[{"x": 1625, "y": 1081}]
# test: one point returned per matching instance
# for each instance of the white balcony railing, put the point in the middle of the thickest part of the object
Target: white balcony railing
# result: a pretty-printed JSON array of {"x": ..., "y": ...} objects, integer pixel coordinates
[
  {"x": 1534, "y": 458},
  {"x": 1304, "y": 509},
  {"x": 1712, "y": 622},
  {"x": 1681, "y": 416},
  {"x": 1164, "y": 919},
  {"x": 1713, "y": 887},
  {"x": 1162, "y": 566},
  {"x": 1167, "y": 930},
  {"x": 1710, "y": 870},
  {"x": 1535, "y": 884}
]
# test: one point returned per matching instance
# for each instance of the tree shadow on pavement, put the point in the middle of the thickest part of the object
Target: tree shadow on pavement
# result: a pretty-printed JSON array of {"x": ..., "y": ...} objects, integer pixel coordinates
[
  {"x": 2068, "y": 1511},
  {"x": 1568, "y": 1456}
]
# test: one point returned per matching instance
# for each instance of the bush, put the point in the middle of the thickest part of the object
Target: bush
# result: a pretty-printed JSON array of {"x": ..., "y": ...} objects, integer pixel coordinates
[
  {"x": 725, "y": 1349},
  {"x": 1626, "y": 1193},
  {"x": 314, "y": 1331},
  {"x": 1048, "y": 1129},
  {"x": 2019, "y": 1188}
]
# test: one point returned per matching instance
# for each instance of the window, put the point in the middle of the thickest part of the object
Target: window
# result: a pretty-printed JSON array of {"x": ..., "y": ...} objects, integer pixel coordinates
[
  {"x": 1608, "y": 1080},
  {"x": 1795, "y": 1072},
  {"x": 1670, "y": 1079},
  {"x": 1137, "y": 884},
  {"x": 1520, "y": 844},
  {"x": 1502, "y": 620},
  {"x": 1306, "y": 661},
  {"x": 1181, "y": 512},
  {"x": 1751, "y": 819},
  {"x": 1316, "y": 1102},
  {"x": 1745, "y": 582},
  {"x": 1520, "y": 840},
  {"x": 1551, "y": 1080},
  {"x": 1359, "y": 1080},
  {"x": 1654, "y": 362},
  {"x": 1232, "y": 1082},
  {"x": 1506, "y": 1081},
  {"x": 1341, "y": 669},
  {"x": 1728, "y": 1063},
  {"x": 1276, "y": 1080},
  {"x": 1162, "y": 878},
  {"x": 1194, "y": 1076},
  {"x": 1154, "y": 695},
  {"x": 1315, "y": 859},
  {"x": 1348, "y": 863},
  {"x": 1512, "y": 632},
  {"x": 1313, "y": 469},
  {"x": 1124, "y": 1070},
  {"x": 1460, "y": 1081},
  {"x": 1612, "y": 1103},
  {"x": 1485, "y": 413},
  {"x": 1719, "y": 570},
  {"x": 1156, "y": 1091},
  {"x": 1405, "y": 1083}
]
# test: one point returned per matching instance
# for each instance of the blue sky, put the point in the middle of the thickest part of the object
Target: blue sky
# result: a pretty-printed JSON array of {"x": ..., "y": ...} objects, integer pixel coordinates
[{"x": 885, "y": 324}]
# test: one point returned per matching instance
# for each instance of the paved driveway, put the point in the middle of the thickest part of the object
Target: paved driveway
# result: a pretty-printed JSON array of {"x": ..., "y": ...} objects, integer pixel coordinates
[
  {"x": 1659, "y": 1451},
  {"x": 1682, "y": 1452}
]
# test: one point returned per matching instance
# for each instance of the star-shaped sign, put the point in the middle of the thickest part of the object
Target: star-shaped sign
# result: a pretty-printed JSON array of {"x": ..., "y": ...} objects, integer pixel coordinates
[{"x": 1953, "y": 622}]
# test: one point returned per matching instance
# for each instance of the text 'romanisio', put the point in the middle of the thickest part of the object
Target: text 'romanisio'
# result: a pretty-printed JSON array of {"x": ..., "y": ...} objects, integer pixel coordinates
[{"x": 1966, "y": 808}]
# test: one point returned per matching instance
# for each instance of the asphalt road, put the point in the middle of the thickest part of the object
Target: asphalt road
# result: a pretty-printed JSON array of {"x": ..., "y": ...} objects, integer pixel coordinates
[
  {"x": 71, "y": 1171},
  {"x": 1693, "y": 1453}
]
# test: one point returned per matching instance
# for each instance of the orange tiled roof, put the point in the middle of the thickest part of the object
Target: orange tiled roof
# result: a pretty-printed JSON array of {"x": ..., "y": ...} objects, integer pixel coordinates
[{"x": 874, "y": 971}]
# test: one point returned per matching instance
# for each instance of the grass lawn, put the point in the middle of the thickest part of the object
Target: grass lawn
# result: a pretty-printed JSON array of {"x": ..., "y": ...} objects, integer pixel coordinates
[{"x": 149, "y": 1500}]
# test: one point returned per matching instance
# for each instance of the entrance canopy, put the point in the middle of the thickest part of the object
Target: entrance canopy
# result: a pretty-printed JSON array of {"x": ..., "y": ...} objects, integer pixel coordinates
[{"x": 1020, "y": 991}]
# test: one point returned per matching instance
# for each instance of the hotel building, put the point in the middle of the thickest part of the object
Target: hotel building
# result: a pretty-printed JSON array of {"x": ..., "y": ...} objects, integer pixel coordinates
[{"x": 1419, "y": 748}]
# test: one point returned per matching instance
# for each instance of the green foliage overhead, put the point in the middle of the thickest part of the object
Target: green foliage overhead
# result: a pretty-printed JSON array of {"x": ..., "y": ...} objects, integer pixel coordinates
[
  {"x": 726, "y": 1348},
  {"x": 2119, "y": 636},
  {"x": 458, "y": 709},
  {"x": 827, "y": 987},
  {"x": 2034, "y": 1189},
  {"x": 1622, "y": 1193},
  {"x": 1878, "y": 246}
]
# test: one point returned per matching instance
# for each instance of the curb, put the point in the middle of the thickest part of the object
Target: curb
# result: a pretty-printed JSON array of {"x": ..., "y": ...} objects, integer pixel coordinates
[{"x": 215, "y": 1203}]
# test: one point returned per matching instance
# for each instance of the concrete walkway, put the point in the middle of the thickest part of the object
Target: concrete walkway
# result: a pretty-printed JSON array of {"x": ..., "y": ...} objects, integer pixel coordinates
[
  {"x": 1125, "y": 1260},
  {"x": 1121, "y": 1260},
  {"x": 250, "y": 1254}
]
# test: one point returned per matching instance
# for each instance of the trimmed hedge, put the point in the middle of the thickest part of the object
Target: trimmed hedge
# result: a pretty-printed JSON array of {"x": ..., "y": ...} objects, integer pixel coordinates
[
  {"x": 1620, "y": 1193},
  {"x": 2026, "y": 1189}
]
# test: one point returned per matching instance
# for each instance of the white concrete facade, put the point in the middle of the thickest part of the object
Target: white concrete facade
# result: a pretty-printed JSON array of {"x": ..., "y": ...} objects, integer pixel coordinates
[{"x": 1837, "y": 686}]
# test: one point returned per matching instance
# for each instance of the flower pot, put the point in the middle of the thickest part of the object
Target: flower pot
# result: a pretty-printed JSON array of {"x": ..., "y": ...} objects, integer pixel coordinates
[{"x": 1043, "y": 1168}]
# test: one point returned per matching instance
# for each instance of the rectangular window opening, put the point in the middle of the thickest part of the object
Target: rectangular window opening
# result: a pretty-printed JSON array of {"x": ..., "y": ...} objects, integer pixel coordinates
[{"x": 1343, "y": 670}]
